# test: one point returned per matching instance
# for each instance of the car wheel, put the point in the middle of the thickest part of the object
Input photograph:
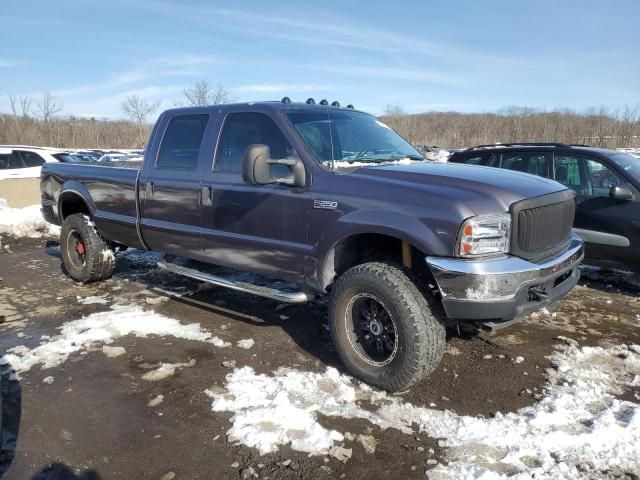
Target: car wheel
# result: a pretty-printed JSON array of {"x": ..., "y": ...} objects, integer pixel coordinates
[
  {"x": 383, "y": 328},
  {"x": 86, "y": 255}
]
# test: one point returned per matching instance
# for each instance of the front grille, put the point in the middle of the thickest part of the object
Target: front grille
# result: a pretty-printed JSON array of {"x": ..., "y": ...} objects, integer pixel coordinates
[{"x": 541, "y": 230}]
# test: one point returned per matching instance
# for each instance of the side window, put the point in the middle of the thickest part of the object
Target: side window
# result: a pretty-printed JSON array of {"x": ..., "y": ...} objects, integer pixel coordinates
[
  {"x": 602, "y": 178},
  {"x": 483, "y": 159},
  {"x": 181, "y": 142},
  {"x": 243, "y": 129},
  {"x": 533, "y": 163},
  {"x": 31, "y": 159},
  {"x": 11, "y": 160},
  {"x": 568, "y": 170},
  {"x": 5, "y": 158},
  {"x": 514, "y": 161}
]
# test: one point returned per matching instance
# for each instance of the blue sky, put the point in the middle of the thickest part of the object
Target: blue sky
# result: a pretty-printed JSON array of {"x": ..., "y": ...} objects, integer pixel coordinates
[{"x": 465, "y": 55}]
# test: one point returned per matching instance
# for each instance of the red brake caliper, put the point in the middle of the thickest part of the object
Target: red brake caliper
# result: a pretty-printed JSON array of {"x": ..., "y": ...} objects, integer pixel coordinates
[{"x": 80, "y": 248}]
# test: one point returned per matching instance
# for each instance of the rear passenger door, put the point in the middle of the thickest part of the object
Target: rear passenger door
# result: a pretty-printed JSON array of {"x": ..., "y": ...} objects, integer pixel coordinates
[
  {"x": 170, "y": 185},
  {"x": 258, "y": 228}
]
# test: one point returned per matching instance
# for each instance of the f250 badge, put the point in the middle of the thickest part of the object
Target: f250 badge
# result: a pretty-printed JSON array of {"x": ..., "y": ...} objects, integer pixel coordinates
[{"x": 325, "y": 204}]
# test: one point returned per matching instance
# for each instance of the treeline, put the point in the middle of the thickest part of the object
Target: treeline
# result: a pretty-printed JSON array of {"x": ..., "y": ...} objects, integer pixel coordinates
[
  {"x": 42, "y": 123},
  {"x": 71, "y": 133},
  {"x": 597, "y": 127}
]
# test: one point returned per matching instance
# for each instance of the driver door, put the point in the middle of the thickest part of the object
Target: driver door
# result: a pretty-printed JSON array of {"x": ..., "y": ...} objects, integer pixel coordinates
[
  {"x": 257, "y": 228},
  {"x": 608, "y": 225}
]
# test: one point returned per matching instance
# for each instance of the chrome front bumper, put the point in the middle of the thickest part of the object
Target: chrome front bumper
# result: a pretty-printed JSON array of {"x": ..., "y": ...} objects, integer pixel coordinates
[{"x": 505, "y": 287}]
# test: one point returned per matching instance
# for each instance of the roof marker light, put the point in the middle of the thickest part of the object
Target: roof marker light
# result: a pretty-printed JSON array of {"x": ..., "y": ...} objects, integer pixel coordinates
[
  {"x": 351, "y": 107},
  {"x": 335, "y": 104},
  {"x": 286, "y": 100},
  {"x": 324, "y": 102},
  {"x": 310, "y": 101}
]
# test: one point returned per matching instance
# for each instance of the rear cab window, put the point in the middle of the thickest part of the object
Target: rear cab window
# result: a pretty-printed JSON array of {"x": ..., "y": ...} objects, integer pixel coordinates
[{"x": 180, "y": 146}]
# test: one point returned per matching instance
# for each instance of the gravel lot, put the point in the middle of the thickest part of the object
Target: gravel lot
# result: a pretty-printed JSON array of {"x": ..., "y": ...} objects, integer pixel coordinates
[{"x": 135, "y": 406}]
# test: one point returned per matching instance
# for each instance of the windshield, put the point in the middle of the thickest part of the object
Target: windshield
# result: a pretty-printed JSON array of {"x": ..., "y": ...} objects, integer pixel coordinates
[
  {"x": 629, "y": 164},
  {"x": 341, "y": 138}
]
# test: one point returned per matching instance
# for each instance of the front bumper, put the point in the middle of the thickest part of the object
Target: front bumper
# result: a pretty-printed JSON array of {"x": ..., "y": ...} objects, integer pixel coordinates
[{"x": 506, "y": 287}]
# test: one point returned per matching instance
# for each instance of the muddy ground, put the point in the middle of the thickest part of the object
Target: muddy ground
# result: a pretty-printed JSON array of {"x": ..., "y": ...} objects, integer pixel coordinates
[{"x": 94, "y": 421}]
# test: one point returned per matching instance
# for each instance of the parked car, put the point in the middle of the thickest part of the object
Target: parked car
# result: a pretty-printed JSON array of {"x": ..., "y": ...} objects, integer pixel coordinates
[
  {"x": 112, "y": 157},
  {"x": 606, "y": 183},
  {"x": 402, "y": 249},
  {"x": 21, "y": 161}
]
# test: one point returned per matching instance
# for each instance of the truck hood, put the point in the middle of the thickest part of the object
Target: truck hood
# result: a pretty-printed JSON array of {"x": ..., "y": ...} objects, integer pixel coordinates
[{"x": 483, "y": 189}]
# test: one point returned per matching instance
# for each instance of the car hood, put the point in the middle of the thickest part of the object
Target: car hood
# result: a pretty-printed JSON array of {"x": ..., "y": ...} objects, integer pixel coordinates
[{"x": 483, "y": 189}]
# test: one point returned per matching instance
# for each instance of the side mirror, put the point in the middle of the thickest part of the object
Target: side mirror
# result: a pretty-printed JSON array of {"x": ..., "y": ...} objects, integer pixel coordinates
[
  {"x": 257, "y": 163},
  {"x": 620, "y": 193}
]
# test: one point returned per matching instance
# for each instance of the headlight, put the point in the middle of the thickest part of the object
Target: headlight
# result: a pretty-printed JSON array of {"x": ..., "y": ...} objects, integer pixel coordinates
[{"x": 485, "y": 235}]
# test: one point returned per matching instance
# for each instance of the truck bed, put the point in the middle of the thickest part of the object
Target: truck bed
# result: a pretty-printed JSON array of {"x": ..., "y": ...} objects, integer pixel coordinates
[{"x": 111, "y": 192}]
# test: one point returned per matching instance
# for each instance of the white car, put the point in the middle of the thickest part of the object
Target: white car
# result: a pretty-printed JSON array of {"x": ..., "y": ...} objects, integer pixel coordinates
[
  {"x": 113, "y": 157},
  {"x": 19, "y": 161}
]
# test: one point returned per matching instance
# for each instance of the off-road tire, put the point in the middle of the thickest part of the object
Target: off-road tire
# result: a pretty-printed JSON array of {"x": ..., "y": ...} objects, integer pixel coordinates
[
  {"x": 420, "y": 335},
  {"x": 99, "y": 259}
]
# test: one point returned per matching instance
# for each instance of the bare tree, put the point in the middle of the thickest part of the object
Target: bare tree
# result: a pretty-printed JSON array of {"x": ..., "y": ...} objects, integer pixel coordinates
[
  {"x": 202, "y": 93},
  {"x": 393, "y": 111},
  {"x": 48, "y": 106},
  {"x": 138, "y": 109},
  {"x": 13, "y": 104}
]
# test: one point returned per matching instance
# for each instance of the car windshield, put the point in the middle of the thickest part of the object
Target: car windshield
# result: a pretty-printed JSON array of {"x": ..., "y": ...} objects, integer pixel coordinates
[
  {"x": 629, "y": 164},
  {"x": 344, "y": 138}
]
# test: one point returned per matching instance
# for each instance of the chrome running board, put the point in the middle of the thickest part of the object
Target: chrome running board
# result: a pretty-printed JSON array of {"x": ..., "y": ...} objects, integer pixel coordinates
[{"x": 272, "y": 293}]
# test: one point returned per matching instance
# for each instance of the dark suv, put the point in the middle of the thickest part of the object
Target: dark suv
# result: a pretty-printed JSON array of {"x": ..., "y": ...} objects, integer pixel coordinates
[{"x": 607, "y": 186}]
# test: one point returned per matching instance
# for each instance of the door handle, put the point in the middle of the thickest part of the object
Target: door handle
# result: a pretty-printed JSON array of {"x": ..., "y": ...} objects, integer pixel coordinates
[
  {"x": 206, "y": 195},
  {"x": 149, "y": 189}
]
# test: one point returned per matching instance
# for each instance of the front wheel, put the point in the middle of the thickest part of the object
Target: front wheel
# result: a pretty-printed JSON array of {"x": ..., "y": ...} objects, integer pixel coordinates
[
  {"x": 86, "y": 255},
  {"x": 383, "y": 328}
]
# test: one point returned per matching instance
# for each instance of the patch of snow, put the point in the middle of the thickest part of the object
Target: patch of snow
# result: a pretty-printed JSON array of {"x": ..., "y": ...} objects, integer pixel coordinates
[
  {"x": 166, "y": 370},
  {"x": 219, "y": 343},
  {"x": 154, "y": 402},
  {"x": 113, "y": 352},
  {"x": 25, "y": 222},
  {"x": 579, "y": 429},
  {"x": 104, "y": 327},
  {"x": 518, "y": 359},
  {"x": 246, "y": 343},
  {"x": 47, "y": 380},
  {"x": 354, "y": 164},
  {"x": 107, "y": 254},
  {"x": 93, "y": 299}
]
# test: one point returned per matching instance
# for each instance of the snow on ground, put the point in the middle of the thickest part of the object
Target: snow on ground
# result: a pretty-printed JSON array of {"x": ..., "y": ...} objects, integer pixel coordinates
[
  {"x": 166, "y": 370},
  {"x": 246, "y": 343},
  {"x": 103, "y": 327},
  {"x": 93, "y": 299},
  {"x": 578, "y": 430},
  {"x": 24, "y": 222}
]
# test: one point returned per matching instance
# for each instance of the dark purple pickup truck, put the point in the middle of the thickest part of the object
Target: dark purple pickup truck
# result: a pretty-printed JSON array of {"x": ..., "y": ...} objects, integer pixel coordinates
[{"x": 333, "y": 200}]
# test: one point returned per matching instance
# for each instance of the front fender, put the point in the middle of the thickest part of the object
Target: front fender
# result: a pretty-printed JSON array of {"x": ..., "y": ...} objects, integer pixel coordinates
[{"x": 383, "y": 222}]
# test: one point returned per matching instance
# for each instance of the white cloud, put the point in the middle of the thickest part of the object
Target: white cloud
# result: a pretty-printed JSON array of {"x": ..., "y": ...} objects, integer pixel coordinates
[{"x": 7, "y": 63}]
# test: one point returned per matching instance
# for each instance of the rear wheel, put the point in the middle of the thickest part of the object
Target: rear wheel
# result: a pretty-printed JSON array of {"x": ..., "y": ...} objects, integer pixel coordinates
[
  {"x": 383, "y": 328},
  {"x": 86, "y": 255}
]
